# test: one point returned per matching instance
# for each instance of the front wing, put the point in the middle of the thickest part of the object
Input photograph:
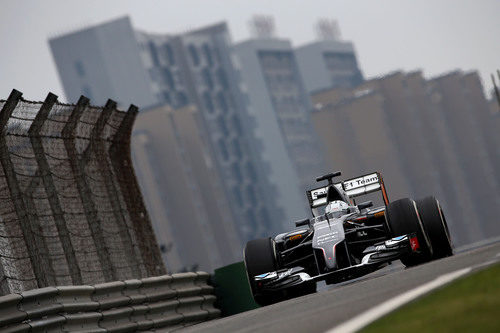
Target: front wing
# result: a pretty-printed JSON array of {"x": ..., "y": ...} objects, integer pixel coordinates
[{"x": 374, "y": 258}]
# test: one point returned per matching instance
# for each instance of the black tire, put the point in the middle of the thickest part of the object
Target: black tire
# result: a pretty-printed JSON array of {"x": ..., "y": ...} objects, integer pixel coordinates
[
  {"x": 403, "y": 219},
  {"x": 259, "y": 258},
  {"x": 435, "y": 224}
]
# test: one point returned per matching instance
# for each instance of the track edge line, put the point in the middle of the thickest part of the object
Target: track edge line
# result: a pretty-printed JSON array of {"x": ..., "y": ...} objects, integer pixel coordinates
[{"x": 380, "y": 310}]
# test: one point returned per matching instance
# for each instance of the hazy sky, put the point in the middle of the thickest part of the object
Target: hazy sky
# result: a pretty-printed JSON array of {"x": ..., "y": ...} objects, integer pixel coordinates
[{"x": 435, "y": 36}]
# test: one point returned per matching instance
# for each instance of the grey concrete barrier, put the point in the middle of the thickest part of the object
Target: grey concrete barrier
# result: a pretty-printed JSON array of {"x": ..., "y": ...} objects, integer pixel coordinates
[
  {"x": 77, "y": 298},
  {"x": 118, "y": 320},
  {"x": 157, "y": 303},
  {"x": 109, "y": 295},
  {"x": 47, "y": 324},
  {"x": 164, "y": 313},
  {"x": 83, "y": 322},
  {"x": 191, "y": 310},
  {"x": 41, "y": 302},
  {"x": 17, "y": 328},
  {"x": 139, "y": 316},
  {"x": 202, "y": 281},
  {"x": 184, "y": 284},
  {"x": 208, "y": 305},
  {"x": 156, "y": 288},
  {"x": 9, "y": 311},
  {"x": 133, "y": 290}
]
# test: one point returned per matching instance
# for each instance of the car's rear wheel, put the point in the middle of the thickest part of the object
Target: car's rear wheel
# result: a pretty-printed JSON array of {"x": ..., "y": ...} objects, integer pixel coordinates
[
  {"x": 435, "y": 224},
  {"x": 403, "y": 219}
]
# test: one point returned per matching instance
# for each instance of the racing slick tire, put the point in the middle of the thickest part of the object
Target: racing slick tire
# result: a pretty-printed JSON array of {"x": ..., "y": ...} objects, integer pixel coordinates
[
  {"x": 259, "y": 258},
  {"x": 403, "y": 219},
  {"x": 435, "y": 224}
]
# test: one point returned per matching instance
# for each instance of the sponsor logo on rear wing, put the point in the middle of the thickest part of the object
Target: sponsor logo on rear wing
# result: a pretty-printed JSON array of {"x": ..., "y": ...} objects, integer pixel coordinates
[
  {"x": 362, "y": 185},
  {"x": 353, "y": 187}
]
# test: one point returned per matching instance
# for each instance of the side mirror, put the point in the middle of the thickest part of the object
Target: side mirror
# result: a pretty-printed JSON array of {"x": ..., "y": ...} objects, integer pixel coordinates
[
  {"x": 302, "y": 223},
  {"x": 365, "y": 204}
]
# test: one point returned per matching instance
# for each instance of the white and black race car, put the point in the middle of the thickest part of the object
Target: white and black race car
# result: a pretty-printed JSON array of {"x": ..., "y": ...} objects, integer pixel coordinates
[{"x": 344, "y": 240}]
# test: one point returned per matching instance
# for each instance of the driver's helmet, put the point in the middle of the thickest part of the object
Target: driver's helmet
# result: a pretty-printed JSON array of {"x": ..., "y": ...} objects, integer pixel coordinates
[{"x": 337, "y": 208}]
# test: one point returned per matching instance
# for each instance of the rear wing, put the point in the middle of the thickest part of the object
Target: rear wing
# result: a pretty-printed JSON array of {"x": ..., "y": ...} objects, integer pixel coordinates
[{"x": 354, "y": 187}]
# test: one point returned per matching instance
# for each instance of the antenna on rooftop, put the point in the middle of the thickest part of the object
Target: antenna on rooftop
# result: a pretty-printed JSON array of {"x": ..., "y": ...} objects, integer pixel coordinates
[
  {"x": 262, "y": 26},
  {"x": 327, "y": 29}
]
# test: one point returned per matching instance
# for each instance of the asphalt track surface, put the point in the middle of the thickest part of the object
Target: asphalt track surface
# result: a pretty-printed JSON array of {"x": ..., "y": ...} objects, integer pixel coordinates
[{"x": 333, "y": 305}]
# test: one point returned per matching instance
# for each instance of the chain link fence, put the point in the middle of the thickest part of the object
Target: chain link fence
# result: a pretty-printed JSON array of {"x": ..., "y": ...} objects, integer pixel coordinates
[{"x": 71, "y": 211}]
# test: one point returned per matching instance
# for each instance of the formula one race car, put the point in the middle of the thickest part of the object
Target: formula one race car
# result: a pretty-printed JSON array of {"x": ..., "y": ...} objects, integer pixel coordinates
[{"x": 344, "y": 240}]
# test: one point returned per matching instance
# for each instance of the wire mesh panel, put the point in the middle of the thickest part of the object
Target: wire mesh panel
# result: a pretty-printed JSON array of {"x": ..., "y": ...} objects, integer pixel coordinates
[{"x": 70, "y": 209}]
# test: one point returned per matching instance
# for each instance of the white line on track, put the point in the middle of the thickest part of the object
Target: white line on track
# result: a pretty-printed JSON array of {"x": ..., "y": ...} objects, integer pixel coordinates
[
  {"x": 384, "y": 308},
  {"x": 487, "y": 263}
]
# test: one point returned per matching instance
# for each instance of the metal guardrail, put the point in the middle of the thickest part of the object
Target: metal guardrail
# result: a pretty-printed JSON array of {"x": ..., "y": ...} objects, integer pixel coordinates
[{"x": 164, "y": 302}]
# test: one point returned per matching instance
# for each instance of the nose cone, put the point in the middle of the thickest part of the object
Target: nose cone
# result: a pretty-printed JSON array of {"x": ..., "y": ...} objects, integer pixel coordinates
[{"x": 326, "y": 236}]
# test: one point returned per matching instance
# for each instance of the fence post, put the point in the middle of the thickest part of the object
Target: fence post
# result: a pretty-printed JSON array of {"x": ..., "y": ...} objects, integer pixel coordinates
[
  {"x": 16, "y": 194},
  {"x": 102, "y": 156},
  {"x": 50, "y": 188},
  {"x": 41, "y": 245},
  {"x": 495, "y": 88},
  {"x": 119, "y": 153},
  {"x": 78, "y": 168}
]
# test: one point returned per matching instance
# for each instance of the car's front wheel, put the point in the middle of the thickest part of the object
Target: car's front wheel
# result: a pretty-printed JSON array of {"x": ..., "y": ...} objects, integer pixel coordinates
[{"x": 259, "y": 257}]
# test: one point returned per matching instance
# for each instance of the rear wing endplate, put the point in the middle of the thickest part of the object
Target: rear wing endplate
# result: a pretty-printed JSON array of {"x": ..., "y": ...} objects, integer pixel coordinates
[{"x": 354, "y": 187}]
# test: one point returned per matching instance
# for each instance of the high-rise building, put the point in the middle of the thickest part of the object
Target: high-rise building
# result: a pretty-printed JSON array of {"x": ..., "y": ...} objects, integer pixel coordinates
[
  {"x": 354, "y": 132},
  {"x": 193, "y": 68},
  {"x": 103, "y": 62},
  {"x": 326, "y": 64},
  {"x": 281, "y": 108},
  {"x": 179, "y": 181},
  {"x": 428, "y": 137},
  {"x": 198, "y": 67},
  {"x": 488, "y": 125},
  {"x": 460, "y": 99}
]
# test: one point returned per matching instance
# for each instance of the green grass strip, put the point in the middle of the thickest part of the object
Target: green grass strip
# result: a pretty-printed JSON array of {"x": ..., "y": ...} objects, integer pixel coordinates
[{"x": 470, "y": 304}]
